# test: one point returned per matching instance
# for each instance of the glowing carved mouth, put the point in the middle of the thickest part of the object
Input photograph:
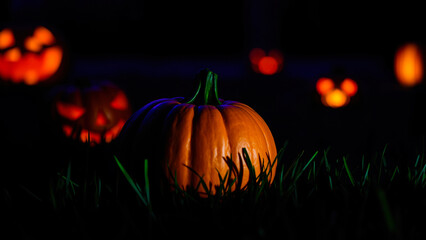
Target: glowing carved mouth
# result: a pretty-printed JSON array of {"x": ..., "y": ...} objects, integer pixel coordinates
[{"x": 86, "y": 135}]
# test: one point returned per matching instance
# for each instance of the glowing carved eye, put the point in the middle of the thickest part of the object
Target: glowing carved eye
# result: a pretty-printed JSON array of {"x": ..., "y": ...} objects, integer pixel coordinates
[
  {"x": 69, "y": 111},
  {"x": 120, "y": 102},
  {"x": 6, "y": 38},
  {"x": 44, "y": 36}
]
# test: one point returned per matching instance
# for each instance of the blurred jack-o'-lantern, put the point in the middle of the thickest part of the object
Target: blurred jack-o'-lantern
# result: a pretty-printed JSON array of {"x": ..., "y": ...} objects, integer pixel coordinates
[
  {"x": 336, "y": 97},
  {"x": 409, "y": 65},
  {"x": 267, "y": 64},
  {"x": 28, "y": 57},
  {"x": 92, "y": 114}
]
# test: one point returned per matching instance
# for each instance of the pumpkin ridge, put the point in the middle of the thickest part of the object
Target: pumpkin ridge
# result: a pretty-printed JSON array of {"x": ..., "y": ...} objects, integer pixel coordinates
[
  {"x": 261, "y": 125},
  {"x": 170, "y": 132},
  {"x": 192, "y": 154}
]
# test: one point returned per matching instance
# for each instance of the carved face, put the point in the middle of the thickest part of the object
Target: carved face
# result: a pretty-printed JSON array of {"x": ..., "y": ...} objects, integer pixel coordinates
[
  {"x": 267, "y": 64},
  {"x": 97, "y": 113},
  {"x": 31, "y": 58},
  {"x": 336, "y": 97}
]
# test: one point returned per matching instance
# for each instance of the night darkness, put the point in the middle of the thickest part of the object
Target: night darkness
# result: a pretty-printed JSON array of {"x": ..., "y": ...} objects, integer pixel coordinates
[{"x": 154, "y": 49}]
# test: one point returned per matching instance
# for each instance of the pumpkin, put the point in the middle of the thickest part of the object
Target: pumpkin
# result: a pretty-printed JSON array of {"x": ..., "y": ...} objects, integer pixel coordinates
[
  {"x": 408, "y": 65},
  {"x": 266, "y": 64},
  {"x": 93, "y": 113},
  {"x": 336, "y": 97},
  {"x": 193, "y": 137},
  {"x": 28, "y": 57}
]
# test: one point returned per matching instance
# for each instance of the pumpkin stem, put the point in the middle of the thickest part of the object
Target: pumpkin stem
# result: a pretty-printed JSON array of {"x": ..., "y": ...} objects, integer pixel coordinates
[{"x": 207, "y": 89}]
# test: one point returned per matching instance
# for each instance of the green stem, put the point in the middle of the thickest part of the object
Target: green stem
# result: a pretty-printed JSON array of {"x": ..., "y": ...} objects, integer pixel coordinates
[{"x": 206, "y": 93}]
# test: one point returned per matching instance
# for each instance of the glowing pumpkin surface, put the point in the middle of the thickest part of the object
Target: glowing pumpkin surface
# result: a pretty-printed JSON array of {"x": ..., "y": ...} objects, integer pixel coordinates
[
  {"x": 92, "y": 114},
  {"x": 31, "y": 60}
]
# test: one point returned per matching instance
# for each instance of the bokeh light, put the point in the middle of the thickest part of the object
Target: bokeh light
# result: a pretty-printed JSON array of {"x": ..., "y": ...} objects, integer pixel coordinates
[
  {"x": 349, "y": 86},
  {"x": 409, "y": 65}
]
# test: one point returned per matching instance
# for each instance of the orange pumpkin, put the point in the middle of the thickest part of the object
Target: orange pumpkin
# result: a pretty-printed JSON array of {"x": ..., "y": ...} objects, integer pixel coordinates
[
  {"x": 28, "y": 58},
  {"x": 96, "y": 113},
  {"x": 198, "y": 134}
]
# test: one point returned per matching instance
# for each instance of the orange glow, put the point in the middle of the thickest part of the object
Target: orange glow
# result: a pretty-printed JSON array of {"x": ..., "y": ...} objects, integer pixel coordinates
[
  {"x": 276, "y": 54},
  {"x": 32, "y": 44},
  {"x": 31, "y": 77},
  {"x": 120, "y": 102},
  {"x": 335, "y": 99},
  {"x": 6, "y": 38},
  {"x": 101, "y": 119},
  {"x": 324, "y": 85},
  {"x": 67, "y": 130},
  {"x": 44, "y": 36},
  {"x": 51, "y": 60},
  {"x": 409, "y": 65},
  {"x": 31, "y": 67},
  {"x": 69, "y": 111},
  {"x": 255, "y": 55},
  {"x": 94, "y": 137},
  {"x": 268, "y": 65},
  {"x": 114, "y": 131},
  {"x": 13, "y": 55},
  {"x": 349, "y": 86}
]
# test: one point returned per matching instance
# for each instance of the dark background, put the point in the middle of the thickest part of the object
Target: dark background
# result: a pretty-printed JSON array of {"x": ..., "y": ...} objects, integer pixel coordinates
[{"x": 153, "y": 49}]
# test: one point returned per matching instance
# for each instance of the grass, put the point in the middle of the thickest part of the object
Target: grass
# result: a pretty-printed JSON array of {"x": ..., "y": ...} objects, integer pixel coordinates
[{"x": 314, "y": 194}]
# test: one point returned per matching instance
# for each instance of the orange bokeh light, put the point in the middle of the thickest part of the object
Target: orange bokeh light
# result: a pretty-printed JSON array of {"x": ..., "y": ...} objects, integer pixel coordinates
[
  {"x": 409, "y": 65},
  {"x": 335, "y": 99},
  {"x": 349, "y": 86},
  {"x": 6, "y": 38},
  {"x": 255, "y": 55},
  {"x": 324, "y": 85},
  {"x": 268, "y": 65}
]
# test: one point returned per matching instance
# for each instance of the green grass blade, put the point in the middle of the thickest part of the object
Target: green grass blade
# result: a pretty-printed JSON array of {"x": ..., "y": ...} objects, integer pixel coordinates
[
  {"x": 421, "y": 174},
  {"x": 307, "y": 164},
  {"x": 394, "y": 173},
  {"x": 252, "y": 171},
  {"x": 348, "y": 172},
  {"x": 330, "y": 182},
  {"x": 390, "y": 222},
  {"x": 202, "y": 182},
  {"x": 148, "y": 199},
  {"x": 131, "y": 182},
  {"x": 366, "y": 174}
]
